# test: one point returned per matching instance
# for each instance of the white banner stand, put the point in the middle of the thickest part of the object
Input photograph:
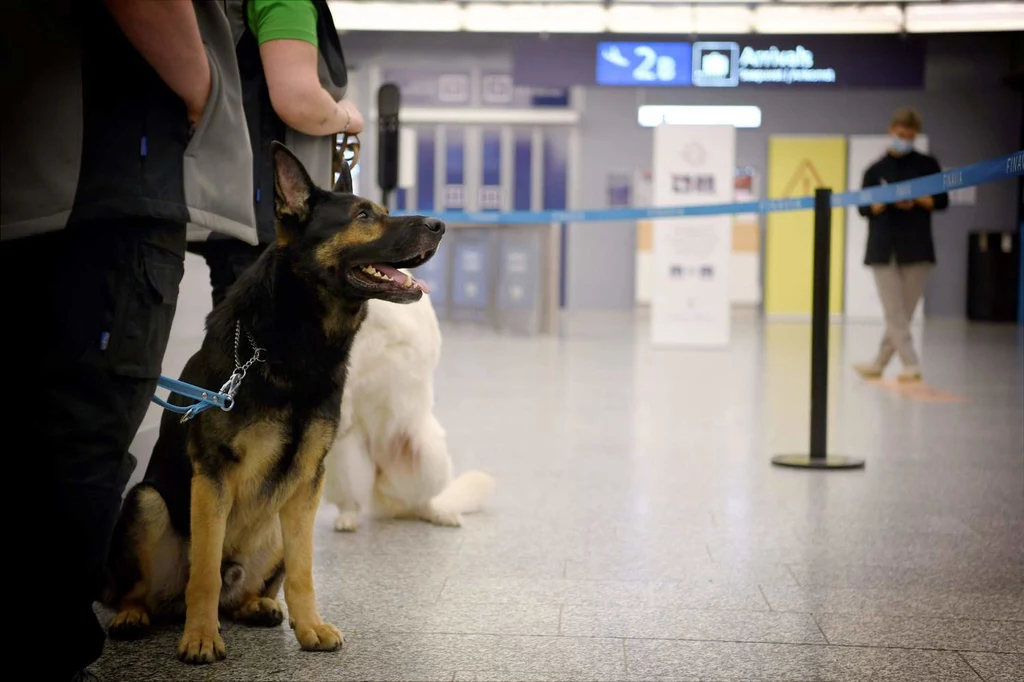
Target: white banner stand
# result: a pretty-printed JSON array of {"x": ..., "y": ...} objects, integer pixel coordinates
[
  {"x": 861, "y": 302},
  {"x": 690, "y": 304}
]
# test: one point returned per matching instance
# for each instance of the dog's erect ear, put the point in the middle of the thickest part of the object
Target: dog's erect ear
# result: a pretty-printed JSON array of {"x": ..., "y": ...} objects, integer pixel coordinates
[
  {"x": 344, "y": 183},
  {"x": 292, "y": 185}
]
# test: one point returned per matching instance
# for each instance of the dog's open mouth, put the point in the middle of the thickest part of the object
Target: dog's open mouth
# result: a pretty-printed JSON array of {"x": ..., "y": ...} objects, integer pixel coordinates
[{"x": 389, "y": 277}]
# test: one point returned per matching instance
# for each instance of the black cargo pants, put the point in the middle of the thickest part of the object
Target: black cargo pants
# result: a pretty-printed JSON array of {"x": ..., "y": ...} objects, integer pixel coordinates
[{"x": 91, "y": 310}]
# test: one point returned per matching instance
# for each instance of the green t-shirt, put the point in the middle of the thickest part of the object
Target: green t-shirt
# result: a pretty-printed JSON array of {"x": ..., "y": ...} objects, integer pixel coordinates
[{"x": 282, "y": 19}]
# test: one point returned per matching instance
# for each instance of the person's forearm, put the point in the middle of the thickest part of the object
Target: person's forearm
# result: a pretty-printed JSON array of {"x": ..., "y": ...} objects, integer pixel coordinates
[
  {"x": 166, "y": 34},
  {"x": 298, "y": 98},
  {"x": 313, "y": 111}
]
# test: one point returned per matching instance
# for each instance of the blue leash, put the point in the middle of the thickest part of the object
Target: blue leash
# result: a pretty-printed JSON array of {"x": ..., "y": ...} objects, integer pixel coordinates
[{"x": 205, "y": 399}]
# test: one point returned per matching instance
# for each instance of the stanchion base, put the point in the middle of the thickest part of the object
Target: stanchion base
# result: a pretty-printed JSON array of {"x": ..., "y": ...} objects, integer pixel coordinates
[{"x": 808, "y": 462}]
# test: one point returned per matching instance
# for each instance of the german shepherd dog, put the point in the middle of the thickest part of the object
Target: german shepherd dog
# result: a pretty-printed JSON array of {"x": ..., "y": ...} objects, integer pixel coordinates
[{"x": 225, "y": 513}]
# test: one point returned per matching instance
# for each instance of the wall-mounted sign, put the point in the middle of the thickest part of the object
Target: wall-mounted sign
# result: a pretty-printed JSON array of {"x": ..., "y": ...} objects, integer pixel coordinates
[
  {"x": 800, "y": 61},
  {"x": 455, "y": 88},
  {"x": 729, "y": 64},
  {"x": 499, "y": 90},
  {"x": 664, "y": 64},
  {"x": 431, "y": 88},
  {"x": 707, "y": 64}
]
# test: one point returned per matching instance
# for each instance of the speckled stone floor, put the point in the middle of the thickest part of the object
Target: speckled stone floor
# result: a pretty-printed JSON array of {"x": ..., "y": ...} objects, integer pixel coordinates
[{"x": 638, "y": 531}]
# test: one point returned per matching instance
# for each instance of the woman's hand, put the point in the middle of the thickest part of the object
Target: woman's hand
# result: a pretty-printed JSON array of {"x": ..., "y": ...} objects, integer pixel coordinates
[{"x": 355, "y": 120}]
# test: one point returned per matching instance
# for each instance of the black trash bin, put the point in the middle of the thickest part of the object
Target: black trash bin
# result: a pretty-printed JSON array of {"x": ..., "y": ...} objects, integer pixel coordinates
[{"x": 993, "y": 274}]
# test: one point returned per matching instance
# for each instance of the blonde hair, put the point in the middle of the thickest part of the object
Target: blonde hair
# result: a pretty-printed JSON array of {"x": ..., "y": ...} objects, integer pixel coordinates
[{"x": 908, "y": 118}]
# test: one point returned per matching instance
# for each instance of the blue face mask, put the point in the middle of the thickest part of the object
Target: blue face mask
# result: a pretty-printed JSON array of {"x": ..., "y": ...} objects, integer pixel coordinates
[{"x": 901, "y": 146}]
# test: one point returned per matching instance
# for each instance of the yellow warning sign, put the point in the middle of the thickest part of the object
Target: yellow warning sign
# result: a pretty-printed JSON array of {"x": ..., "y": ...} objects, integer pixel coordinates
[
  {"x": 804, "y": 181},
  {"x": 796, "y": 167}
]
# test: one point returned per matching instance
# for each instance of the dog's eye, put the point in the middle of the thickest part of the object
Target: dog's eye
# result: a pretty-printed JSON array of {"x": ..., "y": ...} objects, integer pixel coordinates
[{"x": 363, "y": 215}]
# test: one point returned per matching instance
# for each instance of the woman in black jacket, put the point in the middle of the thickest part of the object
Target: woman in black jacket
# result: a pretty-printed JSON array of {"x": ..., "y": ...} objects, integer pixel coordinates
[{"x": 900, "y": 251}]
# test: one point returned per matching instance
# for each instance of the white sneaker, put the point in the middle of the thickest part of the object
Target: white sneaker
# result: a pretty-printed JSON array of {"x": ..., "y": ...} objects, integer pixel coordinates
[
  {"x": 910, "y": 374},
  {"x": 868, "y": 370}
]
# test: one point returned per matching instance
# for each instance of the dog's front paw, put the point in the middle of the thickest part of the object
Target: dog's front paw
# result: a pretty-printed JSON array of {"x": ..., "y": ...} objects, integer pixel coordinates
[
  {"x": 201, "y": 646},
  {"x": 260, "y": 612},
  {"x": 346, "y": 522},
  {"x": 130, "y": 623},
  {"x": 319, "y": 637}
]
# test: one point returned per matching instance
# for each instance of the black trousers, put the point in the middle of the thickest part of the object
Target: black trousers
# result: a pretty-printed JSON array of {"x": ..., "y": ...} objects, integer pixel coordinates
[
  {"x": 92, "y": 307},
  {"x": 227, "y": 260}
]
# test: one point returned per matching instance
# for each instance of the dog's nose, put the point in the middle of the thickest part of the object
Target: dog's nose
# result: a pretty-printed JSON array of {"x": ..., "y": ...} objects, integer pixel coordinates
[{"x": 434, "y": 225}]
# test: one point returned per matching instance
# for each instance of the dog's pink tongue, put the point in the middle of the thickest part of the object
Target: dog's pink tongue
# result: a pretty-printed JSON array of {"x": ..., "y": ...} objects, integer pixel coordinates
[{"x": 401, "y": 278}]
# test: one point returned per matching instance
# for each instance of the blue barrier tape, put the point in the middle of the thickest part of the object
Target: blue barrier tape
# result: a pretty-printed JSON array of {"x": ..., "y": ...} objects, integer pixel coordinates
[
  {"x": 1008, "y": 166},
  {"x": 992, "y": 170}
]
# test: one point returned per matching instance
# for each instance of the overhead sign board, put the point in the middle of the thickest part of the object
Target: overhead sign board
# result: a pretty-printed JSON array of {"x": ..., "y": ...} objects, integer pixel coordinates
[
  {"x": 708, "y": 64},
  {"x": 754, "y": 61},
  {"x": 728, "y": 64}
]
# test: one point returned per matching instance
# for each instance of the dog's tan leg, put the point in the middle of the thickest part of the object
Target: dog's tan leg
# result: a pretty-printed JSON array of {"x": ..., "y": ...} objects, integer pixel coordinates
[
  {"x": 211, "y": 503},
  {"x": 297, "y": 516},
  {"x": 146, "y": 547}
]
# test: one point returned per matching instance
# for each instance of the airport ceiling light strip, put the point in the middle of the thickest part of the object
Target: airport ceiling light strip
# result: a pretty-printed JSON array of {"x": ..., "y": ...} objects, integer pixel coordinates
[{"x": 702, "y": 17}]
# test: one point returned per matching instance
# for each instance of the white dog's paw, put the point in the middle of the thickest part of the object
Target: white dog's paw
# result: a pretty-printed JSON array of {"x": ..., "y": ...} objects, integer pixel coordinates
[
  {"x": 442, "y": 517},
  {"x": 346, "y": 522}
]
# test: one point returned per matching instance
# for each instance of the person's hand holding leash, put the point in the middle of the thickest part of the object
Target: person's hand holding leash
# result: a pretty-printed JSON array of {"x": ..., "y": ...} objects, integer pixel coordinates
[{"x": 354, "y": 121}]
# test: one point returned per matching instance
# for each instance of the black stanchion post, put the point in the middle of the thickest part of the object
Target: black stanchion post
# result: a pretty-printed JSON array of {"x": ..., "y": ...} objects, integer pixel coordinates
[
  {"x": 820, "y": 323},
  {"x": 818, "y": 457},
  {"x": 389, "y": 99}
]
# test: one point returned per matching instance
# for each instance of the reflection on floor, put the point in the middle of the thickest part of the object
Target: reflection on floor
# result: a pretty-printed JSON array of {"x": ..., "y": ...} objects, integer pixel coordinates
[{"x": 638, "y": 531}]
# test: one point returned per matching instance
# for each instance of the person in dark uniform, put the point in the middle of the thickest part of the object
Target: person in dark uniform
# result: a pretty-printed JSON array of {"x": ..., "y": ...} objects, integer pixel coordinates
[
  {"x": 122, "y": 123},
  {"x": 900, "y": 251}
]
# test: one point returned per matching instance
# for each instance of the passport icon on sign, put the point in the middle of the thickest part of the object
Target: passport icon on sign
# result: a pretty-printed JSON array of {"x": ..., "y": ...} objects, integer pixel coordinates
[{"x": 716, "y": 64}]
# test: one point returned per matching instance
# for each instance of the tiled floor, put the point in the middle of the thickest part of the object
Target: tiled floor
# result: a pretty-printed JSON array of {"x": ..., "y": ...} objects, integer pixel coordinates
[{"x": 638, "y": 531}]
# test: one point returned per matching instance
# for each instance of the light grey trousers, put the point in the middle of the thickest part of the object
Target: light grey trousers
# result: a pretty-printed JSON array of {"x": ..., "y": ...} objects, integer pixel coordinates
[{"x": 900, "y": 288}]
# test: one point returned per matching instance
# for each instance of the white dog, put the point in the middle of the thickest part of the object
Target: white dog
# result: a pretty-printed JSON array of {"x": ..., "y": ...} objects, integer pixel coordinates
[{"x": 390, "y": 457}]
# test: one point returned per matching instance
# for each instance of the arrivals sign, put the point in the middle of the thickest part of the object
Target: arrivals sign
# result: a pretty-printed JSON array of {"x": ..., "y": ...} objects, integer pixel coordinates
[
  {"x": 789, "y": 62},
  {"x": 728, "y": 64},
  {"x": 708, "y": 64}
]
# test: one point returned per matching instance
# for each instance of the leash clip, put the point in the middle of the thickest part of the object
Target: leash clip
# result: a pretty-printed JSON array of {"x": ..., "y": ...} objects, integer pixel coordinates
[{"x": 230, "y": 388}]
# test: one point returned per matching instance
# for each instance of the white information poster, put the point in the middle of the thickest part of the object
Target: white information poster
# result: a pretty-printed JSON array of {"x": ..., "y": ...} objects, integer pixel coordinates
[
  {"x": 690, "y": 304},
  {"x": 643, "y": 194},
  {"x": 861, "y": 297}
]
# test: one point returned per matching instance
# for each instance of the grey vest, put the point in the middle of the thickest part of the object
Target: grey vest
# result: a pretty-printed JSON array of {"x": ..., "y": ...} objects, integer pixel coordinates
[{"x": 91, "y": 133}]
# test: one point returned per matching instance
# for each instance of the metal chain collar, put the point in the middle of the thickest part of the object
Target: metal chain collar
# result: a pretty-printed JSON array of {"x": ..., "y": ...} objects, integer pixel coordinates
[{"x": 230, "y": 387}]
